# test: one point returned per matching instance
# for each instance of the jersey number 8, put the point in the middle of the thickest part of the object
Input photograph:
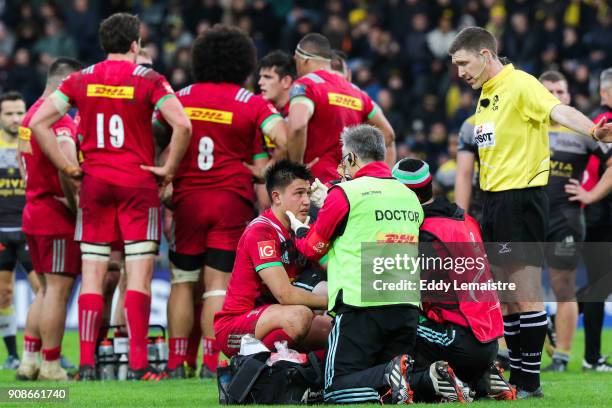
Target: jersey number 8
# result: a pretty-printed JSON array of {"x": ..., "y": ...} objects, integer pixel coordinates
[
  {"x": 115, "y": 128},
  {"x": 206, "y": 158}
]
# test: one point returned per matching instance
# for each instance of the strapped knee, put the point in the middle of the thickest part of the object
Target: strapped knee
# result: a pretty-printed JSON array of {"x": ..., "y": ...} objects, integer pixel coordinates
[
  {"x": 135, "y": 250},
  {"x": 95, "y": 252}
]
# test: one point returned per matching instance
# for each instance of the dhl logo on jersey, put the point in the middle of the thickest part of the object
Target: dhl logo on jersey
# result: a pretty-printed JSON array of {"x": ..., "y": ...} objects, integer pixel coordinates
[
  {"x": 113, "y": 92},
  {"x": 210, "y": 115},
  {"x": 345, "y": 101}
]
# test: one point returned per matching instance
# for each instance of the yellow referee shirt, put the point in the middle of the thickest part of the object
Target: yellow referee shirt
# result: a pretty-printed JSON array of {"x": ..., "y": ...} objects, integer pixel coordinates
[{"x": 511, "y": 131}]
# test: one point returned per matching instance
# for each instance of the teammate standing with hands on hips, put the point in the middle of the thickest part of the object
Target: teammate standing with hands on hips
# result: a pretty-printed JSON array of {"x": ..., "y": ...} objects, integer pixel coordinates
[
  {"x": 511, "y": 131},
  {"x": 119, "y": 192}
]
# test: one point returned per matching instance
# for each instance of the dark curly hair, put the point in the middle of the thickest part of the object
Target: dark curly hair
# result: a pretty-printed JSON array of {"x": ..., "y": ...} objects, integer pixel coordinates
[
  {"x": 223, "y": 54},
  {"x": 118, "y": 32}
]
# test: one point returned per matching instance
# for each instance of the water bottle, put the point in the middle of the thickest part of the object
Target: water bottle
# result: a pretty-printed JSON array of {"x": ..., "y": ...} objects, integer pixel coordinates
[
  {"x": 122, "y": 372},
  {"x": 151, "y": 351},
  {"x": 224, "y": 377},
  {"x": 162, "y": 352},
  {"x": 107, "y": 358}
]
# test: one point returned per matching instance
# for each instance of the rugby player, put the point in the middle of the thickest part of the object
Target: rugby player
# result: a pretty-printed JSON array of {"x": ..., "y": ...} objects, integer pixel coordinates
[
  {"x": 569, "y": 156},
  {"x": 225, "y": 119},
  {"x": 13, "y": 248},
  {"x": 49, "y": 227},
  {"x": 260, "y": 299},
  {"x": 119, "y": 192},
  {"x": 276, "y": 75},
  {"x": 322, "y": 104}
]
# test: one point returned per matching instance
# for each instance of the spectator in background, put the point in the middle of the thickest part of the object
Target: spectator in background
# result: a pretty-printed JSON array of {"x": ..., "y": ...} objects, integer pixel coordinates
[
  {"x": 520, "y": 44},
  {"x": 7, "y": 39},
  {"x": 441, "y": 38},
  {"x": 56, "y": 41},
  {"x": 82, "y": 22},
  {"x": 23, "y": 77}
]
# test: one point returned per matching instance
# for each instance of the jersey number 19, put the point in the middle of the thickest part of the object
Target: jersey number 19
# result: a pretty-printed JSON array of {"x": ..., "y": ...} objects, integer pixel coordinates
[{"x": 115, "y": 129}]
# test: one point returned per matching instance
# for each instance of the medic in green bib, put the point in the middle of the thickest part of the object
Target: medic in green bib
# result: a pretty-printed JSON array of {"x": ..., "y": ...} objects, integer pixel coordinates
[{"x": 370, "y": 345}]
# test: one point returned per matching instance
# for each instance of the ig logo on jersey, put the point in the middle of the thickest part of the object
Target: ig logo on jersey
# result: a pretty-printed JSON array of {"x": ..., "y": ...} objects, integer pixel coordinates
[{"x": 266, "y": 249}]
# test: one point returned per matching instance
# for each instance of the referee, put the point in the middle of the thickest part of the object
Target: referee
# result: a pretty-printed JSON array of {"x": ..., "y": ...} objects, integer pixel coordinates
[{"x": 511, "y": 130}]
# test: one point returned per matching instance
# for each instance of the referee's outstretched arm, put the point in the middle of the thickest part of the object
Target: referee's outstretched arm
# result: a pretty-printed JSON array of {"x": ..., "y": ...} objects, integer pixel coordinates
[{"x": 573, "y": 119}]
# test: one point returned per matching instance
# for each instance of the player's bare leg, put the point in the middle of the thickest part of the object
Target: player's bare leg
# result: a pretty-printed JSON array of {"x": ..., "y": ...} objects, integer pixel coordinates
[
  {"x": 139, "y": 264},
  {"x": 111, "y": 281},
  {"x": 91, "y": 304},
  {"x": 56, "y": 292},
  {"x": 119, "y": 314},
  {"x": 180, "y": 313},
  {"x": 8, "y": 321},
  {"x": 32, "y": 344},
  {"x": 215, "y": 285},
  {"x": 563, "y": 285},
  {"x": 290, "y": 323}
]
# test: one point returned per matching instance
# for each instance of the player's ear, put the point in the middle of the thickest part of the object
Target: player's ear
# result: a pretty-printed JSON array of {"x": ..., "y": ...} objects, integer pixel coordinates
[{"x": 276, "y": 197}]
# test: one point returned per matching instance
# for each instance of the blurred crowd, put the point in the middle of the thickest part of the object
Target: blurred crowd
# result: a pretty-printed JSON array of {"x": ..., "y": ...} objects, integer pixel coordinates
[{"x": 397, "y": 49}]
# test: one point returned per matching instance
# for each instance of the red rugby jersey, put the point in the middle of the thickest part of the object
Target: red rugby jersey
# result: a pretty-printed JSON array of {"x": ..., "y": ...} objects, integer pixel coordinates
[
  {"x": 337, "y": 104},
  {"x": 225, "y": 119},
  {"x": 264, "y": 243},
  {"x": 116, "y": 101},
  {"x": 43, "y": 214}
]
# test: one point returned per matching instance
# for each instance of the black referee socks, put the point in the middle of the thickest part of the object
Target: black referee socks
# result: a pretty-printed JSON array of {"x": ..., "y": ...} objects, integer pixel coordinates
[
  {"x": 512, "y": 334},
  {"x": 532, "y": 336}
]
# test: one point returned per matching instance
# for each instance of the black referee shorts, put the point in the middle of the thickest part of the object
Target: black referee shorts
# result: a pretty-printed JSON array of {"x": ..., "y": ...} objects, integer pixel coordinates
[
  {"x": 565, "y": 236},
  {"x": 514, "y": 223},
  {"x": 14, "y": 251},
  {"x": 360, "y": 345},
  {"x": 469, "y": 358}
]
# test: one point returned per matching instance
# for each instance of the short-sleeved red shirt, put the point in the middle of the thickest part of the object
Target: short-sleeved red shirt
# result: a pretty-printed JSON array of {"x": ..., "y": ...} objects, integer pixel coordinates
[
  {"x": 337, "y": 104},
  {"x": 43, "y": 213},
  {"x": 225, "y": 119},
  {"x": 265, "y": 243},
  {"x": 116, "y": 101}
]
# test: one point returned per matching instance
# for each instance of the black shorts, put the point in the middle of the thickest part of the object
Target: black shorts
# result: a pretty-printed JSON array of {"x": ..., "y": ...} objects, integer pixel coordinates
[
  {"x": 14, "y": 251},
  {"x": 361, "y": 344},
  {"x": 565, "y": 236},
  {"x": 309, "y": 278},
  {"x": 469, "y": 358},
  {"x": 514, "y": 224}
]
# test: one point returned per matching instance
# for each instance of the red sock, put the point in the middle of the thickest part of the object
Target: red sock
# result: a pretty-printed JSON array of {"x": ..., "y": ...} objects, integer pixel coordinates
[
  {"x": 193, "y": 344},
  {"x": 277, "y": 335},
  {"x": 177, "y": 352},
  {"x": 52, "y": 354},
  {"x": 31, "y": 344},
  {"x": 91, "y": 306},
  {"x": 211, "y": 354},
  {"x": 137, "y": 312}
]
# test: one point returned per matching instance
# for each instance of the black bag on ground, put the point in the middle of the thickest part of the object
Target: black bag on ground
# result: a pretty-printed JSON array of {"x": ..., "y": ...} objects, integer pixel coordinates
[{"x": 285, "y": 382}]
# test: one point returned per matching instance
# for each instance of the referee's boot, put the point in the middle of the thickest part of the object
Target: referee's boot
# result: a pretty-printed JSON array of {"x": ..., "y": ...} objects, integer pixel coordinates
[
  {"x": 396, "y": 376},
  {"x": 446, "y": 384}
]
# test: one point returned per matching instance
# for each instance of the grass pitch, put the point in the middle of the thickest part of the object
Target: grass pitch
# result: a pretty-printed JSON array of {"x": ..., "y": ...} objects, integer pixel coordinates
[{"x": 572, "y": 389}]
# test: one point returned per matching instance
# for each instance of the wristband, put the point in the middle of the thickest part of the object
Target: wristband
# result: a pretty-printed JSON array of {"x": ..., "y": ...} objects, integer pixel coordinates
[{"x": 592, "y": 133}]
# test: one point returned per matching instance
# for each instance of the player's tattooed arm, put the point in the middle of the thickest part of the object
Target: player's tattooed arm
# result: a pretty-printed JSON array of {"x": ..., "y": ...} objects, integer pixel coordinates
[
  {"x": 52, "y": 109},
  {"x": 299, "y": 115},
  {"x": 379, "y": 120}
]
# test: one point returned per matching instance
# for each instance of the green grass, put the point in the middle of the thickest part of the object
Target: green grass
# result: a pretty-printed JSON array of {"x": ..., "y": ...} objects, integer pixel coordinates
[{"x": 574, "y": 388}]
